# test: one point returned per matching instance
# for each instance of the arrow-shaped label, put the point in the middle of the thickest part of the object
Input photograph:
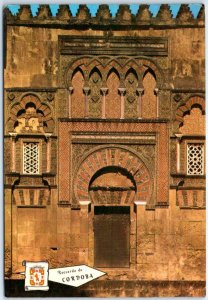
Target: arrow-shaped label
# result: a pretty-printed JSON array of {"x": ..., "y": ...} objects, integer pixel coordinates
[{"x": 74, "y": 276}]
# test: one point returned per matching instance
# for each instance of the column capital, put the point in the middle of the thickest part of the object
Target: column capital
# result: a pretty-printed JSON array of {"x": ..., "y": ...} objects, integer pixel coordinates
[
  {"x": 140, "y": 91},
  {"x": 84, "y": 203},
  {"x": 70, "y": 89},
  {"x": 48, "y": 135},
  {"x": 156, "y": 90},
  {"x": 140, "y": 203},
  {"x": 122, "y": 90},
  {"x": 86, "y": 90},
  {"x": 179, "y": 136},
  {"x": 104, "y": 90},
  {"x": 13, "y": 135}
]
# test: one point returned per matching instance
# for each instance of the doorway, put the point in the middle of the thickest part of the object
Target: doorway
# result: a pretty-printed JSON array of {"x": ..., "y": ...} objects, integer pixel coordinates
[{"x": 112, "y": 236}]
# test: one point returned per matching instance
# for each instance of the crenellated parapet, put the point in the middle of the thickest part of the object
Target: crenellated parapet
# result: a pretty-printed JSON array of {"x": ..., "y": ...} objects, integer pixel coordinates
[{"x": 123, "y": 17}]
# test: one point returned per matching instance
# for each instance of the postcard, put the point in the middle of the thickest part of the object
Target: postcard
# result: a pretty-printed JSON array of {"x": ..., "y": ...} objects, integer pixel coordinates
[{"x": 104, "y": 160}]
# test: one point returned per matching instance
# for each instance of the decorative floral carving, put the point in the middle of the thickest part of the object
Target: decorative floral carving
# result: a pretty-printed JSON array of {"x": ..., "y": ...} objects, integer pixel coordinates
[
  {"x": 50, "y": 96},
  {"x": 11, "y": 96},
  {"x": 131, "y": 85},
  {"x": 177, "y": 97}
]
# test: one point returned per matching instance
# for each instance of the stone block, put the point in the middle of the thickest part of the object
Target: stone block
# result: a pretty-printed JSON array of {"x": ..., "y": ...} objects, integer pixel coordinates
[
  {"x": 193, "y": 267},
  {"x": 75, "y": 222},
  {"x": 191, "y": 227},
  {"x": 192, "y": 215},
  {"x": 25, "y": 240},
  {"x": 83, "y": 256},
  {"x": 152, "y": 271},
  {"x": 145, "y": 243},
  {"x": 196, "y": 242},
  {"x": 42, "y": 240}
]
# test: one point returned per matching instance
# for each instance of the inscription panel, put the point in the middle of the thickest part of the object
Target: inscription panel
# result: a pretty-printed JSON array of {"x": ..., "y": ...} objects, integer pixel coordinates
[{"x": 148, "y": 46}]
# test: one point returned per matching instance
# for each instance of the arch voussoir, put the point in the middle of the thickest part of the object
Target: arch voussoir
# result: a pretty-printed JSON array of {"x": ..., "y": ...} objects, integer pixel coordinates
[{"x": 113, "y": 157}]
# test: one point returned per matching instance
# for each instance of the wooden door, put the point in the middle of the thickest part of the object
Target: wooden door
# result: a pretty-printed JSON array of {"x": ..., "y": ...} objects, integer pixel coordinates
[{"x": 111, "y": 236}]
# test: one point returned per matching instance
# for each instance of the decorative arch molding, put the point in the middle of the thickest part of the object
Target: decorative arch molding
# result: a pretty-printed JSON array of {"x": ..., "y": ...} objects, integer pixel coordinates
[
  {"x": 141, "y": 61},
  {"x": 120, "y": 63},
  {"x": 112, "y": 156},
  {"x": 193, "y": 100},
  {"x": 43, "y": 112},
  {"x": 77, "y": 63}
]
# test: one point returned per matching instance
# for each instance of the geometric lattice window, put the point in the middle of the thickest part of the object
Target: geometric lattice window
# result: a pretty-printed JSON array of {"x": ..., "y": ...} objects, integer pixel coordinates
[
  {"x": 31, "y": 158},
  {"x": 195, "y": 159}
]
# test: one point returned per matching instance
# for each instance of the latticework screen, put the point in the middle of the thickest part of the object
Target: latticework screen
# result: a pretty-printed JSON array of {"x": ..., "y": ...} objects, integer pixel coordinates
[
  {"x": 195, "y": 159},
  {"x": 31, "y": 158}
]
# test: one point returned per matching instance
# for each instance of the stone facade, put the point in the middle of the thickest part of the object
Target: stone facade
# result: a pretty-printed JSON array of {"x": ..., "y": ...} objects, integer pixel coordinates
[{"x": 105, "y": 112}]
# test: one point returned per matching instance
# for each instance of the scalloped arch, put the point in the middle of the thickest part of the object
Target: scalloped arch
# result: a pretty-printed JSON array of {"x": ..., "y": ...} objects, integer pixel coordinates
[
  {"x": 187, "y": 106},
  {"x": 40, "y": 105}
]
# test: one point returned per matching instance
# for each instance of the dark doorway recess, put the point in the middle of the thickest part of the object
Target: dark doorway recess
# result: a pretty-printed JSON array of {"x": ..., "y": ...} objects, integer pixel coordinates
[{"x": 111, "y": 236}]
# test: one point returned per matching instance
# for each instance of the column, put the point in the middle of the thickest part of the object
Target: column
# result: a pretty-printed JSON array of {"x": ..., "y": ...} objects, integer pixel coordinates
[
  {"x": 70, "y": 89},
  {"x": 157, "y": 101},
  {"x": 84, "y": 232},
  {"x": 140, "y": 210},
  {"x": 139, "y": 105},
  {"x": 104, "y": 91},
  {"x": 178, "y": 154},
  {"x": 48, "y": 152},
  {"x": 13, "y": 158},
  {"x": 122, "y": 92},
  {"x": 86, "y": 92}
]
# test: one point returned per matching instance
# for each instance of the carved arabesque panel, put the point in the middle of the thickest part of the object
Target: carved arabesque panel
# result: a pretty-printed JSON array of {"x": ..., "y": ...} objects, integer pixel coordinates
[
  {"x": 78, "y": 151},
  {"x": 147, "y": 153},
  {"x": 131, "y": 82},
  {"x": 95, "y": 84}
]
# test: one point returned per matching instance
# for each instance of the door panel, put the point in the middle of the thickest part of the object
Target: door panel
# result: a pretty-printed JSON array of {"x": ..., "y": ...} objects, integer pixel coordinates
[{"x": 111, "y": 236}]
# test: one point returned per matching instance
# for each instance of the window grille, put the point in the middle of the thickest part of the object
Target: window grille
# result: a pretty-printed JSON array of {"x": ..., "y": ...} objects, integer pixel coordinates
[
  {"x": 31, "y": 158},
  {"x": 195, "y": 159}
]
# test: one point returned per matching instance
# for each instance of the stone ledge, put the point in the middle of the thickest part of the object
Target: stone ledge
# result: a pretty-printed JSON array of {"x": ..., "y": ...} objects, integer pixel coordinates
[{"x": 112, "y": 288}]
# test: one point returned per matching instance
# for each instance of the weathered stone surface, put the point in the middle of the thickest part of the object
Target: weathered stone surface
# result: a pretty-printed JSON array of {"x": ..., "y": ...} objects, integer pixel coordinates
[
  {"x": 83, "y": 13},
  {"x": 44, "y": 12},
  {"x": 201, "y": 14},
  {"x": 64, "y": 13},
  {"x": 164, "y": 14},
  {"x": 103, "y": 13},
  {"x": 143, "y": 13},
  {"x": 184, "y": 13},
  {"x": 24, "y": 13},
  {"x": 123, "y": 13}
]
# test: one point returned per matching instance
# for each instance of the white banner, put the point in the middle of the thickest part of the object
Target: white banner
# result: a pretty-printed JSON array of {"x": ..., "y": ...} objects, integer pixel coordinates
[{"x": 74, "y": 276}]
